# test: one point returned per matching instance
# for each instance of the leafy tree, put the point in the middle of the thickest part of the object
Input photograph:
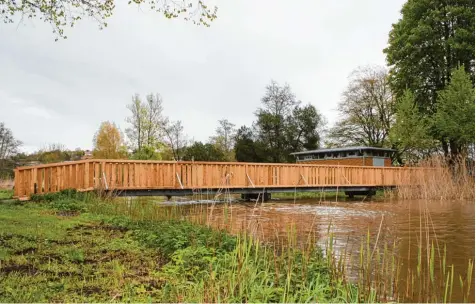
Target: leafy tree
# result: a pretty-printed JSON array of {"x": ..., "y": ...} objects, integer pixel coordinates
[
  {"x": 278, "y": 103},
  {"x": 411, "y": 131},
  {"x": 366, "y": 111},
  {"x": 203, "y": 152},
  {"x": 454, "y": 117},
  {"x": 53, "y": 153},
  {"x": 159, "y": 151},
  {"x": 248, "y": 148},
  {"x": 146, "y": 153},
  {"x": 136, "y": 132},
  {"x": 432, "y": 38},
  {"x": 283, "y": 126},
  {"x": 61, "y": 14},
  {"x": 154, "y": 122},
  {"x": 146, "y": 120},
  {"x": 108, "y": 142},
  {"x": 303, "y": 127}
]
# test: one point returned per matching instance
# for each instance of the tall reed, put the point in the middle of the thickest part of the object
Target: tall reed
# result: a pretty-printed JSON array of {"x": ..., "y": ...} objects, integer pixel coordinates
[{"x": 444, "y": 181}]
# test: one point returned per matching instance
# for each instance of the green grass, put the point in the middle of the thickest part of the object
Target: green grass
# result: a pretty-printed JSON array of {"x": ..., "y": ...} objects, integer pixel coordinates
[
  {"x": 6, "y": 194},
  {"x": 72, "y": 247}
]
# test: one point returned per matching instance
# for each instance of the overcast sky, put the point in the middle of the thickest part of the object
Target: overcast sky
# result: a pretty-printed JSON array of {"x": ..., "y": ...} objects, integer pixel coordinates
[{"x": 59, "y": 92}]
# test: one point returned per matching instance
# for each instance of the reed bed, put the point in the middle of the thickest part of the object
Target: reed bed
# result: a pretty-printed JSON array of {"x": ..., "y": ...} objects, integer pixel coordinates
[{"x": 447, "y": 181}]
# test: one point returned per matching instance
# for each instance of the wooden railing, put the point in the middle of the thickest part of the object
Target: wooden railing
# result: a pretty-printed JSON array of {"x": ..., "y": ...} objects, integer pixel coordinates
[{"x": 129, "y": 174}]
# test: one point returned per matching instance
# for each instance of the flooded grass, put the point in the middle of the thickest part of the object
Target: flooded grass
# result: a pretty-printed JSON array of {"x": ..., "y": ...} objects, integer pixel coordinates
[{"x": 80, "y": 248}]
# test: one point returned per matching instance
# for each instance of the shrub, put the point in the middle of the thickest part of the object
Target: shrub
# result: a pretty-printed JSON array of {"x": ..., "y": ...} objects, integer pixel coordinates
[{"x": 71, "y": 205}]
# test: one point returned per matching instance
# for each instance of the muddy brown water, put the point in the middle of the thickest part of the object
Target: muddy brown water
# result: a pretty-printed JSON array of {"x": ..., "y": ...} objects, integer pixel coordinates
[{"x": 403, "y": 223}]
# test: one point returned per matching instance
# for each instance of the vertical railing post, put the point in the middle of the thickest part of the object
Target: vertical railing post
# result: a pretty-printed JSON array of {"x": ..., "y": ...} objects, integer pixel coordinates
[{"x": 86, "y": 175}]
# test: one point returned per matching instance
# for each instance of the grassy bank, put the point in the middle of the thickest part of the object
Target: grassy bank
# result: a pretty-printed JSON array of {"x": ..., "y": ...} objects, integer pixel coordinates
[{"x": 77, "y": 248}]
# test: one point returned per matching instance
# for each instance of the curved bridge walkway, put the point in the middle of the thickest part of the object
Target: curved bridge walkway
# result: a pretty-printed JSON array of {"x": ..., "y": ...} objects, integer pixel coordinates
[{"x": 136, "y": 178}]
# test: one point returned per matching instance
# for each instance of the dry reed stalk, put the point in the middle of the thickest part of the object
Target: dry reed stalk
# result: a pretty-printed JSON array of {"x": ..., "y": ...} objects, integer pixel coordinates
[{"x": 440, "y": 181}]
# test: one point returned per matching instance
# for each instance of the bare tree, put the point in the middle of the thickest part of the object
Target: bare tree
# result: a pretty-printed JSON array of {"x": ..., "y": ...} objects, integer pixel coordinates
[
  {"x": 8, "y": 148},
  {"x": 147, "y": 121},
  {"x": 135, "y": 133},
  {"x": 176, "y": 138},
  {"x": 154, "y": 120},
  {"x": 8, "y": 144},
  {"x": 278, "y": 100},
  {"x": 367, "y": 110},
  {"x": 225, "y": 138}
]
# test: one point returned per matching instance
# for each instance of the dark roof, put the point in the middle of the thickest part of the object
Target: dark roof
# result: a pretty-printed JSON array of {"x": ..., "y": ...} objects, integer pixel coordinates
[{"x": 357, "y": 148}]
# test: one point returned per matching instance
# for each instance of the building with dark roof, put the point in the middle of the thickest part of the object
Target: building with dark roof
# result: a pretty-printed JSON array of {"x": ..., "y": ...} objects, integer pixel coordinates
[{"x": 349, "y": 156}]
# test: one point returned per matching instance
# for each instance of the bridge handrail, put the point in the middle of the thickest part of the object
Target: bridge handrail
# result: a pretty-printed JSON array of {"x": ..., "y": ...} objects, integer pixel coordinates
[{"x": 143, "y": 174}]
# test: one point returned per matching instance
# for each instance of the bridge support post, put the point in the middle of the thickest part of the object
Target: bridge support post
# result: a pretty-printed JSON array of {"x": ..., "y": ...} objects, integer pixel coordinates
[
  {"x": 367, "y": 193},
  {"x": 256, "y": 196}
]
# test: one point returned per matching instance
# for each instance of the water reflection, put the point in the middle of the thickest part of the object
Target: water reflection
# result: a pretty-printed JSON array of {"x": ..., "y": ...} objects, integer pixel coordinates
[{"x": 405, "y": 223}]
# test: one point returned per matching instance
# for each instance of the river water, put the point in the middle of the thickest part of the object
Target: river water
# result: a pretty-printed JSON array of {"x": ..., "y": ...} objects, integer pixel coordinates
[{"x": 403, "y": 225}]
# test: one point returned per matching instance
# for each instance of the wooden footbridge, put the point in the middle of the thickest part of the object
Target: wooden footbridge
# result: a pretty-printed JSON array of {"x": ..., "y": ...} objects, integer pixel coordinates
[{"x": 137, "y": 178}]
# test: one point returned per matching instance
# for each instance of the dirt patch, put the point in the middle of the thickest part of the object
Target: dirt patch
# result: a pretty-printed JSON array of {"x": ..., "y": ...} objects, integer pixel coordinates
[
  {"x": 90, "y": 290},
  {"x": 25, "y": 269},
  {"x": 67, "y": 213},
  {"x": 26, "y": 251}
]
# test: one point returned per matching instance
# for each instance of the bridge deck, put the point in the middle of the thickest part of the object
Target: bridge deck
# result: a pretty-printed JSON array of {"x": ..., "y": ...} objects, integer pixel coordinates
[{"x": 141, "y": 177}]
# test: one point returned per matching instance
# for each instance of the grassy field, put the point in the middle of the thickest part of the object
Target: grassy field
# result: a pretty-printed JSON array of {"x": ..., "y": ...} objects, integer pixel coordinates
[{"x": 76, "y": 248}]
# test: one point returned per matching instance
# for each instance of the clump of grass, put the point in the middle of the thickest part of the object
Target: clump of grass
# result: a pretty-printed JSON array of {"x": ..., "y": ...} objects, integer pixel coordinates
[{"x": 6, "y": 194}]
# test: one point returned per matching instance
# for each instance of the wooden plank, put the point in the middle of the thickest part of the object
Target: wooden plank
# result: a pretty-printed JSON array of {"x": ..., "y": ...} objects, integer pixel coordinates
[{"x": 86, "y": 184}]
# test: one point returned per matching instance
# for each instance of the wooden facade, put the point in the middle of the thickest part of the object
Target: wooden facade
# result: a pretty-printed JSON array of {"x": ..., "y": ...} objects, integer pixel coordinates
[{"x": 93, "y": 174}]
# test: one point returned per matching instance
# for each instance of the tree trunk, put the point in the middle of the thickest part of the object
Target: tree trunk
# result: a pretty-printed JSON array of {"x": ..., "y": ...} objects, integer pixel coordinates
[{"x": 444, "y": 146}]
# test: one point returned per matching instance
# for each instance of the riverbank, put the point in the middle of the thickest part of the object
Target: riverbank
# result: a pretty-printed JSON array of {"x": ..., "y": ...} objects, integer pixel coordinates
[
  {"x": 72, "y": 247},
  {"x": 79, "y": 247}
]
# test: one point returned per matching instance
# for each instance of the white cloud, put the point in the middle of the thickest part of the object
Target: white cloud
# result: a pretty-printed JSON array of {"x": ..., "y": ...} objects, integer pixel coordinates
[{"x": 37, "y": 112}]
